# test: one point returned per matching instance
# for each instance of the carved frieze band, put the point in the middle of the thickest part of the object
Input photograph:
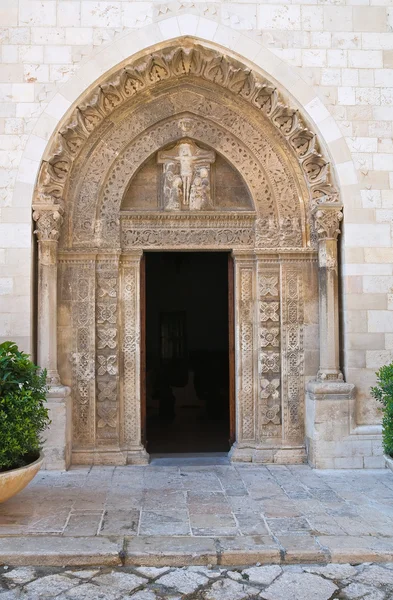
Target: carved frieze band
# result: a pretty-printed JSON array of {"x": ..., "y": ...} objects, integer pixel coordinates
[
  {"x": 245, "y": 278},
  {"x": 205, "y": 231},
  {"x": 107, "y": 350},
  {"x": 292, "y": 353},
  {"x": 178, "y": 62},
  {"x": 269, "y": 357},
  {"x": 130, "y": 298}
]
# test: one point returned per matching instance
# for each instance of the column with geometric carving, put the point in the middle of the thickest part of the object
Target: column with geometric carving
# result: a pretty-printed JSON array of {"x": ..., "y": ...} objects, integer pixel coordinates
[
  {"x": 48, "y": 219},
  {"x": 246, "y": 348},
  {"x": 130, "y": 374},
  {"x": 327, "y": 218}
]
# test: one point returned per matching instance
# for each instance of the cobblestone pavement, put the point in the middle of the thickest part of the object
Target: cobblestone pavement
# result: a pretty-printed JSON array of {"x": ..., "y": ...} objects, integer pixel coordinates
[
  {"x": 298, "y": 514},
  {"x": 271, "y": 582}
]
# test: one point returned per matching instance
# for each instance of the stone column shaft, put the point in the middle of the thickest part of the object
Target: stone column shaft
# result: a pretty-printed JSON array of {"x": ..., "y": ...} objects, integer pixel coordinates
[
  {"x": 327, "y": 220},
  {"x": 48, "y": 218}
]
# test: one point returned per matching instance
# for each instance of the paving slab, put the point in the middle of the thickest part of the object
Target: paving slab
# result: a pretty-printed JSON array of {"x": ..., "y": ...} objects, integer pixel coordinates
[
  {"x": 233, "y": 514},
  {"x": 175, "y": 551},
  {"x": 58, "y": 551},
  {"x": 247, "y": 550}
]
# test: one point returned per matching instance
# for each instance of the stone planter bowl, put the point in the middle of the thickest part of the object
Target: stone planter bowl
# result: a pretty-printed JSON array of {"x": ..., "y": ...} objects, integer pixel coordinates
[{"x": 12, "y": 482}]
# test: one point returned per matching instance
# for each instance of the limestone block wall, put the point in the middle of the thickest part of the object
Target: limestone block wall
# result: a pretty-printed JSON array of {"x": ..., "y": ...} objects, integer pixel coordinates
[{"x": 335, "y": 56}]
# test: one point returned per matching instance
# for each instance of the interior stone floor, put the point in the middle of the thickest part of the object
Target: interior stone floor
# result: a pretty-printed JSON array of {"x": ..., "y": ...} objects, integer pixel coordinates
[{"x": 286, "y": 506}]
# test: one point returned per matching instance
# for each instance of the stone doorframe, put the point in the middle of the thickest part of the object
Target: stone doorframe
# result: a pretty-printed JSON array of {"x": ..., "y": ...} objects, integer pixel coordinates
[{"x": 269, "y": 273}]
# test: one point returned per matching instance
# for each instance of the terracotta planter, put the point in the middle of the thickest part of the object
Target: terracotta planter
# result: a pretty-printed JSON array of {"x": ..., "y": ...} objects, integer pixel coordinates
[
  {"x": 12, "y": 482},
  {"x": 388, "y": 462}
]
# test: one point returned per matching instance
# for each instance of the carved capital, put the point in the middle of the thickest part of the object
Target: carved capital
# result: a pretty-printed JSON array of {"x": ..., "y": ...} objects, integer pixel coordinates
[
  {"x": 327, "y": 220},
  {"x": 48, "y": 219}
]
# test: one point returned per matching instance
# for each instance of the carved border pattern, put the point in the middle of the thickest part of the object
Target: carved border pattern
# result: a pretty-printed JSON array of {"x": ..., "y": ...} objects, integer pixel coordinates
[
  {"x": 131, "y": 422},
  {"x": 107, "y": 360},
  {"x": 245, "y": 374},
  {"x": 182, "y": 62},
  {"x": 209, "y": 230},
  {"x": 269, "y": 357},
  {"x": 82, "y": 275},
  {"x": 292, "y": 353}
]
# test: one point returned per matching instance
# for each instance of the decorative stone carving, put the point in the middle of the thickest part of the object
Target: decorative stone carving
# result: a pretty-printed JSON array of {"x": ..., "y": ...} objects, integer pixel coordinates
[
  {"x": 293, "y": 354},
  {"x": 245, "y": 273},
  {"x": 48, "y": 221},
  {"x": 80, "y": 276},
  {"x": 327, "y": 221},
  {"x": 103, "y": 338},
  {"x": 186, "y": 176},
  {"x": 184, "y": 62},
  {"x": 270, "y": 415},
  {"x": 269, "y": 286},
  {"x": 269, "y": 311},
  {"x": 170, "y": 231},
  {"x": 269, "y": 361},
  {"x": 107, "y": 363}
]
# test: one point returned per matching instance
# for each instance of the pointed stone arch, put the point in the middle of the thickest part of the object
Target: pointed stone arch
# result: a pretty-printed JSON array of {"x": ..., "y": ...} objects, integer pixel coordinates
[{"x": 127, "y": 118}]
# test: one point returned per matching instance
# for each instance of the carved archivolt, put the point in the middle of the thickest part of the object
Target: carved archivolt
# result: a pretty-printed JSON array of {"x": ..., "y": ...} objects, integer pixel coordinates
[{"x": 178, "y": 63}]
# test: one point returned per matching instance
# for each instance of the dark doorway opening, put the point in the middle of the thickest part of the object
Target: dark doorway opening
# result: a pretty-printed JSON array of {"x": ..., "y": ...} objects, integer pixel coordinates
[{"x": 188, "y": 355}]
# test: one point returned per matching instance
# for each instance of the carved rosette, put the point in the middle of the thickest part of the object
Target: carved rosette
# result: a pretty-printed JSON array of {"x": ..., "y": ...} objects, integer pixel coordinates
[
  {"x": 327, "y": 219},
  {"x": 107, "y": 348},
  {"x": 269, "y": 362},
  {"x": 292, "y": 353}
]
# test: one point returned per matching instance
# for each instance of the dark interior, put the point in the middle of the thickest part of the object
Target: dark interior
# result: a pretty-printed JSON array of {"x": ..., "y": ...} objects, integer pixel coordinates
[{"x": 187, "y": 352}]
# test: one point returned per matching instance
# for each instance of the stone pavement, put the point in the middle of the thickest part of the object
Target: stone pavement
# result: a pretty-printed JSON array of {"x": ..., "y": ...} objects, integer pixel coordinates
[
  {"x": 273, "y": 582},
  {"x": 224, "y": 514}
]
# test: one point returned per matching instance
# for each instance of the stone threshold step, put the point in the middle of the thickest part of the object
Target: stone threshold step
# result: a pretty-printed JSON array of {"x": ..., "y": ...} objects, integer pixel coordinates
[{"x": 179, "y": 551}]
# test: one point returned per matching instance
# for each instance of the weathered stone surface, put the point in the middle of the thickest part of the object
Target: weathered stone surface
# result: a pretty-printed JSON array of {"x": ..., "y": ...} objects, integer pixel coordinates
[
  {"x": 156, "y": 551},
  {"x": 85, "y": 574},
  {"x": 45, "y": 550},
  {"x": 125, "y": 582},
  {"x": 359, "y": 590},
  {"x": 183, "y": 581},
  {"x": 20, "y": 575},
  {"x": 152, "y": 572},
  {"x": 51, "y": 585},
  {"x": 299, "y": 587},
  {"x": 229, "y": 590},
  {"x": 89, "y": 591},
  {"x": 142, "y": 595},
  {"x": 333, "y": 571},
  {"x": 376, "y": 574},
  {"x": 262, "y": 575}
]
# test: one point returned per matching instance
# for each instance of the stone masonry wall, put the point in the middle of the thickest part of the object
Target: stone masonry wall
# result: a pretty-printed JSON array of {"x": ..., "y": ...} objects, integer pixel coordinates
[{"x": 343, "y": 51}]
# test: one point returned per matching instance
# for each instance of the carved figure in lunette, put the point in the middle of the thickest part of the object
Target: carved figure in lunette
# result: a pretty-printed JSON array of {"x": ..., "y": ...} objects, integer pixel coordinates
[{"x": 186, "y": 170}]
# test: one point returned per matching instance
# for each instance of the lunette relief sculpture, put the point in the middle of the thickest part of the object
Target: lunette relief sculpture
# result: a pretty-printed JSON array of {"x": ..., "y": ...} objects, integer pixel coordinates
[{"x": 186, "y": 175}]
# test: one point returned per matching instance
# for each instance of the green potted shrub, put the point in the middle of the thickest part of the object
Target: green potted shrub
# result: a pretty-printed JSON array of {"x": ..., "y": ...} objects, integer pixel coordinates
[
  {"x": 383, "y": 392},
  {"x": 23, "y": 418}
]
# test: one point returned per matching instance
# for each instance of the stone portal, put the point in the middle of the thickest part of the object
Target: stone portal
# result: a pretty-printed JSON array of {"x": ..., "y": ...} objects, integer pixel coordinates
[{"x": 206, "y": 157}]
